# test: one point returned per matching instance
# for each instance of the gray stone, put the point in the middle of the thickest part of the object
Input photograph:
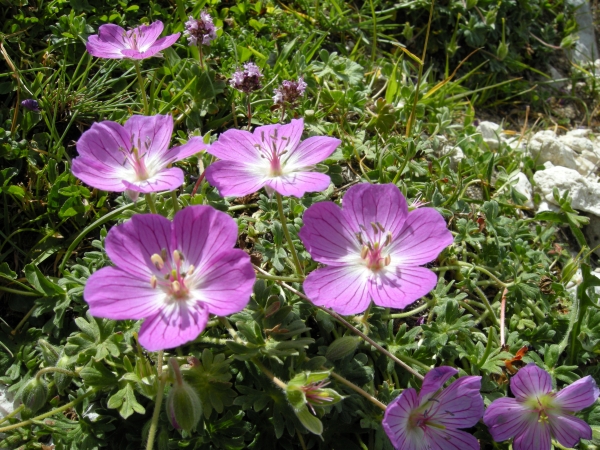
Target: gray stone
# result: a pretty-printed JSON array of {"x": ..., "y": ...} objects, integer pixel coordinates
[
  {"x": 491, "y": 133},
  {"x": 544, "y": 147},
  {"x": 523, "y": 187},
  {"x": 586, "y": 49}
]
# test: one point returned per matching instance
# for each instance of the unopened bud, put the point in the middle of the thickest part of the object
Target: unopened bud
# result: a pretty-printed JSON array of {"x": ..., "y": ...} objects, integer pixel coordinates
[
  {"x": 34, "y": 394},
  {"x": 341, "y": 348},
  {"x": 62, "y": 380},
  {"x": 184, "y": 407}
]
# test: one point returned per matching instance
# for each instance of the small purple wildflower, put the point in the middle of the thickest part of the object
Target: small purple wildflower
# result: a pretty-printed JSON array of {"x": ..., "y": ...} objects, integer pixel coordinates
[
  {"x": 200, "y": 31},
  {"x": 272, "y": 157},
  {"x": 172, "y": 274},
  {"x": 536, "y": 414},
  {"x": 31, "y": 105},
  {"x": 372, "y": 248},
  {"x": 248, "y": 79},
  {"x": 113, "y": 42},
  {"x": 431, "y": 420},
  {"x": 289, "y": 92},
  {"x": 132, "y": 158}
]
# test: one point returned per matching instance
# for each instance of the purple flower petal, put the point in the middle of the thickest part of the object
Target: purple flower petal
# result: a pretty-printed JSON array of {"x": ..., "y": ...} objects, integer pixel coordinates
[
  {"x": 299, "y": 183},
  {"x": 435, "y": 380},
  {"x": 579, "y": 395},
  {"x": 158, "y": 46},
  {"x": 506, "y": 418},
  {"x": 449, "y": 439},
  {"x": 203, "y": 233},
  {"x": 460, "y": 405},
  {"x": 326, "y": 235},
  {"x": 165, "y": 180},
  {"x": 401, "y": 288},
  {"x": 281, "y": 137},
  {"x": 225, "y": 283},
  {"x": 146, "y": 35},
  {"x": 175, "y": 324},
  {"x": 131, "y": 244},
  {"x": 190, "y": 148},
  {"x": 108, "y": 43},
  {"x": 423, "y": 236},
  {"x": 568, "y": 430},
  {"x": 234, "y": 179},
  {"x": 365, "y": 203},
  {"x": 150, "y": 135},
  {"x": 237, "y": 146},
  {"x": 536, "y": 436},
  {"x": 115, "y": 294},
  {"x": 343, "y": 289},
  {"x": 97, "y": 174},
  {"x": 312, "y": 151},
  {"x": 396, "y": 422},
  {"x": 530, "y": 381},
  {"x": 105, "y": 142}
]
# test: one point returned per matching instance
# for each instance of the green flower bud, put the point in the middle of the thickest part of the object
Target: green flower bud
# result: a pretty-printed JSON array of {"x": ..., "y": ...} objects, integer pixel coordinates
[
  {"x": 341, "y": 348},
  {"x": 471, "y": 4},
  {"x": 184, "y": 407},
  {"x": 34, "y": 394},
  {"x": 62, "y": 380}
]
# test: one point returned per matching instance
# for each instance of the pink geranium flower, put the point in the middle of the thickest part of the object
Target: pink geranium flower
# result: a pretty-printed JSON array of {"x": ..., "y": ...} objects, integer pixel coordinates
[
  {"x": 132, "y": 157},
  {"x": 537, "y": 414},
  {"x": 113, "y": 42},
  {"x": 172, "y": 274},
  {"x": 372, "y": 248},
  {"x": 272, "y": 156},
  {"x": 431, "y": 420}
]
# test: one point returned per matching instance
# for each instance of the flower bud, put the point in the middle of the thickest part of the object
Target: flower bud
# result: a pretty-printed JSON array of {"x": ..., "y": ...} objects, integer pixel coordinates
[
  {"x": 62, "y": 380},
  {"x": 342, "y": 347},
  {"x": 34, "y": 394},
  {"x": 184, "y": 407}
]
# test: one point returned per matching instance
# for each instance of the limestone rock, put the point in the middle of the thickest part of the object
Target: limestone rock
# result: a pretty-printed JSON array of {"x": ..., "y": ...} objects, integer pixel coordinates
[
  {"x": 491, "y": 133},
  {"x": 544, "y": 146}
]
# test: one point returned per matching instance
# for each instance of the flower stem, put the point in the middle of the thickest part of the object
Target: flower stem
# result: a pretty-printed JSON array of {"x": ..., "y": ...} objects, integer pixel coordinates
[
  {"x": 56, "y": 369},
  {"x": 158, "y": 404},
  {"x": 12, "y": 414},
  {"x": 19, "y": 292},
  {"x": 249, "y": 111},
  {"x": 357, "y": 389},
  {"x": 151, "y": 204},
  {"x": 175, "y": 201},
  {"x": 142, "y": 87},
  {"x": 286, "y": 232},
  {"x": 412, "y": 312},
  {"x": 23, "y": 320},
  {"x": 278, "y": 278},
  {"x": 269, "y": 374},
  {"x": 64, "y": 407},
  {"x": 486, "y": 302}
]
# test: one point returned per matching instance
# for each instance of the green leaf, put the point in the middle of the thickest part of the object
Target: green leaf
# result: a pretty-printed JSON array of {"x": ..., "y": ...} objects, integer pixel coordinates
[
  {"x": 97, "y": 375},
  {"x": 40, "y": 283},
  {"x": 124, "y": 400},
  {"x": 310, "y": 422}
]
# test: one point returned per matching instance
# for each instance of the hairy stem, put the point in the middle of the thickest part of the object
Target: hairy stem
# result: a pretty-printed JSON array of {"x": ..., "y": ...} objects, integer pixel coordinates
[
  {"x": 142, "y": 87},
  {"x": 357, "y": 389},
  {"x": 45, "y": 370},
  {"x": 269, "y": 374},
  {"x": 158, "y": 404},
  {"x": 151, "y": 204},
  {"x": 288, "y": 238}
]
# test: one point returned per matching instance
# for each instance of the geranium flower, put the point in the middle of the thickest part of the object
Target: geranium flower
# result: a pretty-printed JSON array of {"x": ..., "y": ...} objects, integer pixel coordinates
[
  {"x": 132, "y": 157},
  {"x": 537, "y": 414},
  {"x": 272, "y": 156},
  {"x": 172, "y": 274},
  {"x": 431, "y": 420},
  {"x": 372, "y": 248},
  {"x": 113, "y": 42}
]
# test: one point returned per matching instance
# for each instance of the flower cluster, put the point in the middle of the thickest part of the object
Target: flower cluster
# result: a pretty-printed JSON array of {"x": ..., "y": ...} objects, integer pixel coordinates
[
  {"x": 113, "y": 42},
  {"x": 248, "y": 79},
  {"x": 289, "y": 92},
  {"x": 431, "y": 419},
  {"x": 200, "y": 31}
]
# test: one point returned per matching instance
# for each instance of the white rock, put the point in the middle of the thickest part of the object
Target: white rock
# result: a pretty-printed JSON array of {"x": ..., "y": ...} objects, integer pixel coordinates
[
  {"x": 515, "y": 144},
  {"x": 584, "y": 192},
  {"x": 523, "y": 187},
  {"x": 491, "y": 133},
  {"x": 544, "y": 146},
  {"x": 455, "y": 153},
  {"x": 592, "y": 233},
  {"x": 580, "y": 132},
  {"x": 585, "y": 50},
  {"x": 6, "y": 405}
]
